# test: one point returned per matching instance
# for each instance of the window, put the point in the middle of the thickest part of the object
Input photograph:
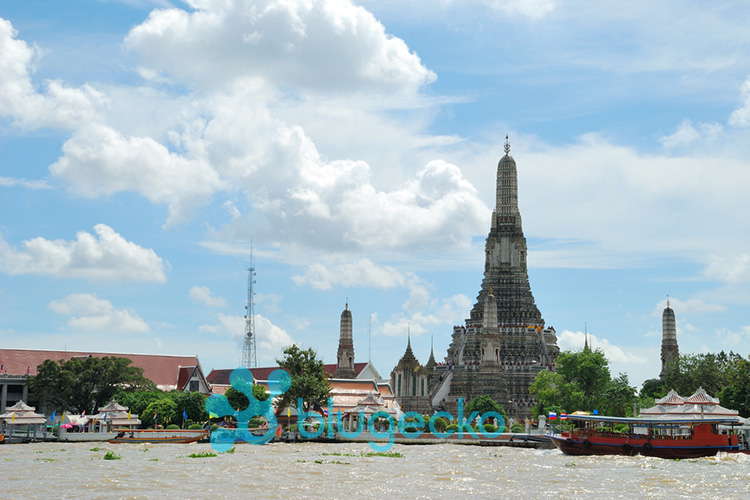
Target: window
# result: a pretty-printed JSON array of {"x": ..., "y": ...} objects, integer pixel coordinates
[
  {"x": 413, "y": 385},
  {"x": 194, "y": 385},
  {"x": 422, "y": 387},
  {"x": 398, "y": 386}
]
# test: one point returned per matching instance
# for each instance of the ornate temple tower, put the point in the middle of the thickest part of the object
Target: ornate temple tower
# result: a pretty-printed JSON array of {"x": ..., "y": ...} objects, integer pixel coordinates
[
  {"x": 669, "y": 349},
  {"x": 410, "y": 382},
  {"x": 504, "y": 343},
  {"x": 345, "y": 356}
]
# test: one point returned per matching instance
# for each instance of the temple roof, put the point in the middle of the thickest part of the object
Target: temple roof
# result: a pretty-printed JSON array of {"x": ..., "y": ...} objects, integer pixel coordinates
[{"x": 672, "y": 398}]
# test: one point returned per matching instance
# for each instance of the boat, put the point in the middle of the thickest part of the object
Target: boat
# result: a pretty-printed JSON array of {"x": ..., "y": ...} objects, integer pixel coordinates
[
  {"x": 652, "y": 437},
  {"x": 158, "y": 436}
]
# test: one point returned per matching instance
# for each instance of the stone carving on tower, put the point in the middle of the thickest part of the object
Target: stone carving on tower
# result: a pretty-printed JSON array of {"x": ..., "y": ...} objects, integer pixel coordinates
[
  {"x": 345, "y": 355},
  {"x": 669, "y": 350},
  {"x": 504, "y": 344}
]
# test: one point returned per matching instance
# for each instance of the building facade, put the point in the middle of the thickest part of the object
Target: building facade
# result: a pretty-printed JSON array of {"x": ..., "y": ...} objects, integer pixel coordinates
[{"x": 504, "y": 343}]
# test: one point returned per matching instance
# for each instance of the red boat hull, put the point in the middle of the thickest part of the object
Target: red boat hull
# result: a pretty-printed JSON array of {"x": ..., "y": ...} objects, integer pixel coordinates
[{"x": 663, "y": 448}]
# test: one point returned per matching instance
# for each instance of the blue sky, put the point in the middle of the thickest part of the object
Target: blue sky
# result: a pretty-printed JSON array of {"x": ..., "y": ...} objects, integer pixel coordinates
[{"x": 144, "y": 146}]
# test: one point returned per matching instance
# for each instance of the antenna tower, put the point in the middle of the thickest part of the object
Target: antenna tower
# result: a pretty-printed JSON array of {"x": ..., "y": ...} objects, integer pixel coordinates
[{"x": 249, "y": 356}]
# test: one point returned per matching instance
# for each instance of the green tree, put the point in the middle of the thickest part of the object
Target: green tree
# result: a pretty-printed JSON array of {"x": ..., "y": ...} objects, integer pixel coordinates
[
  {"x": 691, "y": 371},
  {"x": 309, "y": 380},
  {"x": 555, "y": 393},
  {"x": 589, "y": 371},
  {"x": 138, "y": 401},
  {"x": 164, "y": 409},
  {"x": 736, "y": 393},
  {"x": 618, "y": 398},
  {"x": 653, "y": 387},
  {"x": 192, "y": 403},
  {"x": 85, "y": 384},
  {"x": 484, "y": 404}
]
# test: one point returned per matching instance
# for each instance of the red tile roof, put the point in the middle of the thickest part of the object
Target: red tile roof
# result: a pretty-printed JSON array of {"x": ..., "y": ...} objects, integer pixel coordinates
[
  {"x": 164, "y": 370},
  {"x": 222, "y": 376}
]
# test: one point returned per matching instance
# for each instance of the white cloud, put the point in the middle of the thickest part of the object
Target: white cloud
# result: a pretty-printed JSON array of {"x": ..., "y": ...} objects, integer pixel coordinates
[
  {"x": 308, "y": 46},
  {"x": 341, "y": 270},
  {"x": 269, "y": 338},
  {"x": 56, "y": 106},
  {"x": 729, "y": 268},
  {"x": 106, "y": 256},
  {"x": 568, "y": 340},
  {"x": 629, "y": 207},
  {"x": 533, "y": 9},
  {"x": 203, "y": 295},
  {"x": 11, "y": 182},
  {"x": 89, "y": 313},
  {"x": 687, "y": 134},
  {"x": 99, "y": 161},
  {"x": 741, "y": 116},
  {"x": 690, "y": 307}
]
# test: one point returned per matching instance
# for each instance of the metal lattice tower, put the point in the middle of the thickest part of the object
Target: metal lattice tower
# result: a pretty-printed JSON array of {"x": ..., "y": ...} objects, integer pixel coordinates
[{"x": 249, "y": 356}]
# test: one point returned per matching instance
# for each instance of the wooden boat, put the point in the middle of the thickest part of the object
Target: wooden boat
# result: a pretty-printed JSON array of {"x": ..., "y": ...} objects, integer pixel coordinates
[
  {"x": 158, "y": 436},
  {"x": 655, "y": 437}
]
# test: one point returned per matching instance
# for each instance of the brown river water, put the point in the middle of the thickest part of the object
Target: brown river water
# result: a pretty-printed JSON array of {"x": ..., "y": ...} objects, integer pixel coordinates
[{"x": 328, "y": 471}]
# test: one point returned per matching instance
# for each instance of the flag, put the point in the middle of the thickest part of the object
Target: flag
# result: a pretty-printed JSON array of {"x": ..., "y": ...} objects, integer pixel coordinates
[
  {"x": 128, "y": 414},
  {"x": 52, "y": 418},
  {"x": 62, "y": 420},
  {"x": 28, "y": 368},
  {"x": 563, "y": 416},
  {"x": 552, "y": 415},
  {"x": 155, "y": 414},
  {"x": 83, "y": 414},
  {"x": 596, "y": 412},
  {"x": 14, "y": 418},
  {"x": 288, "y": 412},
  {"x": 105, "y": 415},
  {"x": 184, "y": 415}
]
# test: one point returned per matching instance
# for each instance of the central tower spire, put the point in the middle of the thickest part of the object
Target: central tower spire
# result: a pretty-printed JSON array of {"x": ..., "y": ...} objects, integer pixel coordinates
[{"x": 505, "y": 255}]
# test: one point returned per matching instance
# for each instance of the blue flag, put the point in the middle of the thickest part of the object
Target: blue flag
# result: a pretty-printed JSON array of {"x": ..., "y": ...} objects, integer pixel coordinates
[
  {"x": 184, "y": 415},
  {"x": 52, "y": 418}
]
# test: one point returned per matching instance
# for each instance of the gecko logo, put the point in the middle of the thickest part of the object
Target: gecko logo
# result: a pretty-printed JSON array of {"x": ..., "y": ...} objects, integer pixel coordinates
[{"x": 241, "y": 380}]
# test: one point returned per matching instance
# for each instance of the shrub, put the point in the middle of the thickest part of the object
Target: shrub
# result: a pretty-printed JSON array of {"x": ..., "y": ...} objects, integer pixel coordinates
[
  {"x": 173, "y": 426},
  {"x": 452, "y": 427},
  {"x": 489, "y": 428},
  {"x": 441, "y": 424},
  {"x": 517, "y": 427},
  {"x": 195, "y": 426}
]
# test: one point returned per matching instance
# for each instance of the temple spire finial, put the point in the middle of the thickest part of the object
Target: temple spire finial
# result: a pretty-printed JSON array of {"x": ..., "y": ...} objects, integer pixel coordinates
[{"x": 507, "y": 145}]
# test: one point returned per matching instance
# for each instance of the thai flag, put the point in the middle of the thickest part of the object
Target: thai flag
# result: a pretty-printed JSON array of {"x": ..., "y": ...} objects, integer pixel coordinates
[
  {"x": 563, "y": 416},
  {"x": 155, "y": 414},
  {"x": 28, "y": 368},
  {"x": 552, "y": 415}
]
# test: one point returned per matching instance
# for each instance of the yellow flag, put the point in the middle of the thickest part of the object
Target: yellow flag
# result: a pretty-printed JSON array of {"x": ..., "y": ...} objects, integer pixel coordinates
[
  {"x": 288, "y": 412},
  {"x": 14, "y": 418},
  {"x": 128, "y": 414},
  {"x": 62, "y": 421}
]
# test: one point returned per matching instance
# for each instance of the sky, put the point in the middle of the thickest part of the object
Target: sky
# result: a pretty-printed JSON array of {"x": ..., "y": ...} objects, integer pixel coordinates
[{"x": 148, "y": 148}]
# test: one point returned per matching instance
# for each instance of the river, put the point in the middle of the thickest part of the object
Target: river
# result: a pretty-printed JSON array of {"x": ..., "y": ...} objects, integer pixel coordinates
[{"x": 343, "y": 471}]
